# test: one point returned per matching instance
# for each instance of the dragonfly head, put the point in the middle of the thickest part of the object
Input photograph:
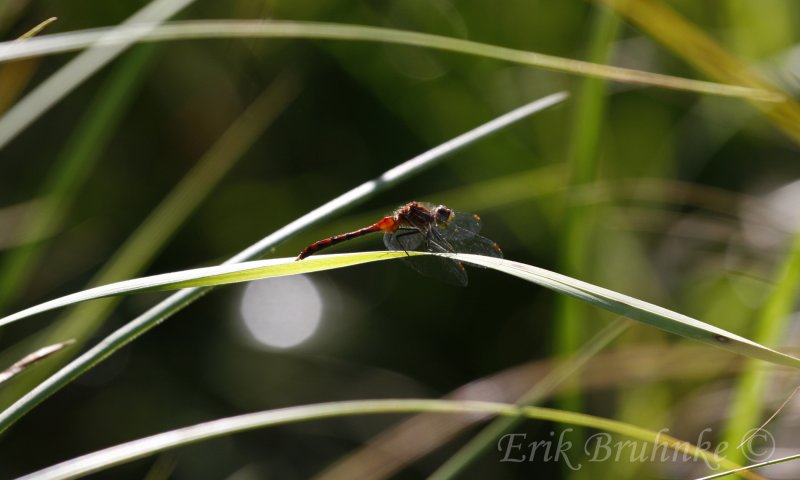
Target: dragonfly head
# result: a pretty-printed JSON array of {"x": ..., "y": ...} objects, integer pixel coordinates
[{"x": 442, "y": 214}]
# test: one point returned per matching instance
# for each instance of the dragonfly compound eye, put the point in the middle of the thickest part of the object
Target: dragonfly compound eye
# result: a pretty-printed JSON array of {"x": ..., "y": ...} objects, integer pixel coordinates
[{"x": 443, "y": 214}]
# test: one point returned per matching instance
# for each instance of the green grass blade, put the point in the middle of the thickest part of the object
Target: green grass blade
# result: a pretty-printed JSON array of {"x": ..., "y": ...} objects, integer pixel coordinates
[
  {"x": 331, "y": 31},
  {"x": 635, "y": 309},
  {"x": 178, "y": 301},
  {"x": 136, "y": 449},
  {"x": 773, "y": 321},
  {"x": 206, "y": 277},
  {"x": 614, "y": 302}
]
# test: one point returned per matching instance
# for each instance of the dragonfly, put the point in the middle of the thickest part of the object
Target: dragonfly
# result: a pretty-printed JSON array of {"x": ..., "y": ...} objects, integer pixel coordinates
[{"x": 422, "y": 226}]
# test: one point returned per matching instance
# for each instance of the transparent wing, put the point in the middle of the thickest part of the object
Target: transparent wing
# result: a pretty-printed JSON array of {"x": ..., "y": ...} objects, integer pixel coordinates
[
  {"x": 465, "y": 241},
  {"x": 404, "y": 239},
  {"x": 466, "y": 221},
  {"x": 443, "y": 269}
]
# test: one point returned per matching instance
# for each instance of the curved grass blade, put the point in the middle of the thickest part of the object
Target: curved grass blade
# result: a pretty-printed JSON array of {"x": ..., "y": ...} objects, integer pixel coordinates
[
  {"x": 207, "y": 276},
  {"x": 143, "y": 447},
  {"x": 607, "y": 299},
  {"x": 636, "y": 309},
  {"x": 331, "y": 31}
]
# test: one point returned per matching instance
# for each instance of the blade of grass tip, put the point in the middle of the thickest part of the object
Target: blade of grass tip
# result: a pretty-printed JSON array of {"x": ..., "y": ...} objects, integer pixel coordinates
[
  {"x": 126, "y": 452},
  {"x": 28, "y": 360},
  {"x": 693, "y": 45},
  {"x": 487, "y": 437},
  {"x": 634, "y": 308},
  {"x": 66, "y": 177},
  {"x": 176, "y": 302},
  {"x": 773, "y": 320},
  {"x": 38, "y": 28},
  {"x": 328, "y": 31},
  {"x": 106, "y": 48},
  {"x": 152, "y": 235},
  {"x": 14, "y": 78},
  {"x": 577, "y": 234}
]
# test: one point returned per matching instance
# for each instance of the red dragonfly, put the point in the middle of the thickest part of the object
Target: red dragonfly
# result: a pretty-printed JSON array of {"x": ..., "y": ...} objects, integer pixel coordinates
[{"x": 419, "y": 226}]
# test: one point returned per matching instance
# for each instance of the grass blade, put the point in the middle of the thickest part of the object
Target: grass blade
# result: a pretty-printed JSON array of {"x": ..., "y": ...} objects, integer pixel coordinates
[
  {"x": 614, "y": 302},
  {"x": 206, "y": 277},
  {"x": 136, "y": 449},
  {"x": 331, "y": 31}
]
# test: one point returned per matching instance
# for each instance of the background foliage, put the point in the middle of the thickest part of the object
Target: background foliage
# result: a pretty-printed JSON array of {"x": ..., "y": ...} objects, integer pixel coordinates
[{"x": 684, "y": 200}]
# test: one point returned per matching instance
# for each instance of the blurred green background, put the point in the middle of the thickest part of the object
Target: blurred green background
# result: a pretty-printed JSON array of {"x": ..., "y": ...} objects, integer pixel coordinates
[{"x": 686, "y": 201}]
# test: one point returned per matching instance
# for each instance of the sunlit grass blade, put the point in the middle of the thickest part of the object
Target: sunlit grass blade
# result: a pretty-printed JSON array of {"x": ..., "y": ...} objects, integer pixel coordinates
[
  {"x": 607, "y": 299},
  {"x": 637, "y": 309},
  {"x": 136, "y": 449},
  {"x": 208, "y": 276},
  {"x": 331, "y": 31}
]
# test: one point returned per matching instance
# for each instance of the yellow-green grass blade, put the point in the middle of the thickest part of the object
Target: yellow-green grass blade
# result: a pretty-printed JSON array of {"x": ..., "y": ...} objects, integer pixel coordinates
[
  {"x": 773, "y": 320},
  {"x": 143, "y": 447},
  {"x": 607, "y": 299},
  {"x": 332, "y": 31},
  {"x": 207, "y": 276}
]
